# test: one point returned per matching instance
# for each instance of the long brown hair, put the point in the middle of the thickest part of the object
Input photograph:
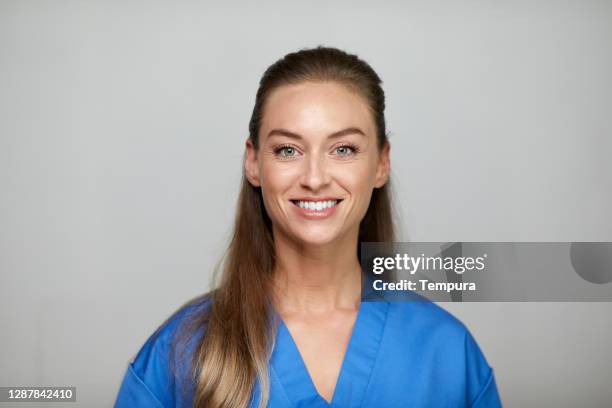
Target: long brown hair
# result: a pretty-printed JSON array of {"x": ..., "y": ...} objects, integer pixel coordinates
[{"x": 234, "y": 352}]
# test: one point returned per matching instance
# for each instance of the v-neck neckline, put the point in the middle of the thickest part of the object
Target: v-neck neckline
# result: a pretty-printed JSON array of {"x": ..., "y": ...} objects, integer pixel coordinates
[{"x": 356, "y": 367}]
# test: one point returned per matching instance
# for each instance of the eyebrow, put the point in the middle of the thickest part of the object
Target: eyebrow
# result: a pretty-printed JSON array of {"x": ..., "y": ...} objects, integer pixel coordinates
[{"x": 340, "y": 133}]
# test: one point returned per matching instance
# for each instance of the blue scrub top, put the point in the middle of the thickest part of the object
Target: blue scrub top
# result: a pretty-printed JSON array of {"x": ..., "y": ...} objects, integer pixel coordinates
[{"x": 400, "y": 354}]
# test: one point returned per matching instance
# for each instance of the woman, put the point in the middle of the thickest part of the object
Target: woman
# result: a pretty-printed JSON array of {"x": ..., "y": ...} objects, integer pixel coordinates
[{"x": 285, "y": 326}]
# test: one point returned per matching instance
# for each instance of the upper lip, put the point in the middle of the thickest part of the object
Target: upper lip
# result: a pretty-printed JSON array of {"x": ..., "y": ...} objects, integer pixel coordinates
[{"x": 316, "y": 199}]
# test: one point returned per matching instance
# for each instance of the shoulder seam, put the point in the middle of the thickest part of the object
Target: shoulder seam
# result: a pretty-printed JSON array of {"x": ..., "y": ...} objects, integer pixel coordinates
[
  {"x": 131, "y": 368},
  {"x": 483, "y": 389}
]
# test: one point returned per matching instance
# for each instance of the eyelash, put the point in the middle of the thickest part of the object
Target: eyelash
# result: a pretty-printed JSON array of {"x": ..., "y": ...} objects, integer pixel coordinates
[{"x": 278, "y": 149}]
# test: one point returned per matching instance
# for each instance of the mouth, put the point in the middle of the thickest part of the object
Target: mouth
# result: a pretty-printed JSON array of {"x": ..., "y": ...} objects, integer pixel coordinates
[{"x": 317, "y": 206}]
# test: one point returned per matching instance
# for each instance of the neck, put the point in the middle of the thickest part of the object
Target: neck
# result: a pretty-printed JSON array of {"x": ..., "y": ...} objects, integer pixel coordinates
[{"x": 316, "y": 279}]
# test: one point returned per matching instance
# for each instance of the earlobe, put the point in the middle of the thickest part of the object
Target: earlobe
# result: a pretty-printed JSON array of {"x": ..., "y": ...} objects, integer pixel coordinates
[{"x": 251, "y": 168}]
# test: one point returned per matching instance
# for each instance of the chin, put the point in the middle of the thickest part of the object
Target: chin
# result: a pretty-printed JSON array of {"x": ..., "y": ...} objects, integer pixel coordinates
[{"x": 316, "y": 238}]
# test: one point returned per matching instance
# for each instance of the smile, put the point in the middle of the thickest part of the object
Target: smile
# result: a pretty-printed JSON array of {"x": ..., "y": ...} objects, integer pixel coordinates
[
  {"x": 316, "y": 209},
  {"x": 315, "y": 205}
]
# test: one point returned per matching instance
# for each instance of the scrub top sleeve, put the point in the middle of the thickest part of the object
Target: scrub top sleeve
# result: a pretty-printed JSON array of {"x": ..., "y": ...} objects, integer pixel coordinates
[
  {"x": 135, "y": 393},
  {"x": 481, "y": 387},
  {"x": 488, "y": 397},
  {"x": 148, "y": 382}
]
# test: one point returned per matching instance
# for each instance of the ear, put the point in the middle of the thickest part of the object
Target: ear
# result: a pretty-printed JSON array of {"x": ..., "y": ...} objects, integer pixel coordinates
[
  {"x": 251, "y": 165},
  {"x": 383, "y": 167}
]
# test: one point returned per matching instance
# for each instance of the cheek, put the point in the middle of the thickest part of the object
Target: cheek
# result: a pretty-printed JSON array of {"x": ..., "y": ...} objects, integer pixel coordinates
[
  {"x": 360, "y": 178},
  {"x": 276, "y": 180}
]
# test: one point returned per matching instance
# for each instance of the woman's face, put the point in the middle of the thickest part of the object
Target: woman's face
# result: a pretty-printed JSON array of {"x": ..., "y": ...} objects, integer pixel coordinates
[{"x": 317, "y": 161}]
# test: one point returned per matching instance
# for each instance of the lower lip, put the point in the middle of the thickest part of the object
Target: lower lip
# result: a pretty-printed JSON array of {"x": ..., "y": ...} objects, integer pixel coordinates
[{"x": 315, "y": 215}]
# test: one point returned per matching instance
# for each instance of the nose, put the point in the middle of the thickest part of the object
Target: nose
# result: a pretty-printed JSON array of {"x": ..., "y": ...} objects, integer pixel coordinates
[{"x": 315, "y": 174}]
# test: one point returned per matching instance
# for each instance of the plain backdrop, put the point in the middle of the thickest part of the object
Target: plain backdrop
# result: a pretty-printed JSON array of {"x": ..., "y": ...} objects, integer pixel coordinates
[{"x": 122, "y": 128}]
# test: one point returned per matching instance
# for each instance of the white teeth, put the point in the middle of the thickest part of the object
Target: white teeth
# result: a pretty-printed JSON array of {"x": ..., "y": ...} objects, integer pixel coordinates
[{"x": 316, "y": 205}]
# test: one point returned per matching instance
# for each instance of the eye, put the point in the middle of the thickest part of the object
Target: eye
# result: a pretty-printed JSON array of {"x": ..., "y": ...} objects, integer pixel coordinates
[
  {"x": 285, "y": 151},
  {"x": 346, "y": 150}
]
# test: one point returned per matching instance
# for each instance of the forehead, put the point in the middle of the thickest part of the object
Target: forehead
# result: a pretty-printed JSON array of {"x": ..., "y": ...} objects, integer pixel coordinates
[{"x": 313, "y": 108}]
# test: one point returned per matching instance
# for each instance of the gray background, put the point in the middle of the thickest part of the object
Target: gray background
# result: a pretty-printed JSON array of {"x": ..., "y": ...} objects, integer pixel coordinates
[{"x": 121, "y": 135}]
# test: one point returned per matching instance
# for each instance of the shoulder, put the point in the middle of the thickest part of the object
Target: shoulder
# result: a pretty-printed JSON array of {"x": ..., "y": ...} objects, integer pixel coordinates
[
  {"x": 157, "y": 374},
  {"x": 441, "y": 341},
  {"x": 433, "y": 327},
  {"x": 171, "y": 329},
  {"x": 181, "y": 325},
  {"x": 435, "y": 331},
  {"x": 164, "y": 339},
  {"x": 425, "y": 316}
]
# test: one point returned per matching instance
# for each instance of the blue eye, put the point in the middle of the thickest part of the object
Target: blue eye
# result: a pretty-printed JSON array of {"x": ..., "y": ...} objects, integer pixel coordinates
[
  {"x": 345, "y": 150},
  {"x": 288, "y": 151},
  {"x": 285, "y": 151}
]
